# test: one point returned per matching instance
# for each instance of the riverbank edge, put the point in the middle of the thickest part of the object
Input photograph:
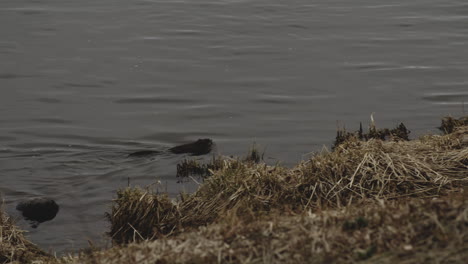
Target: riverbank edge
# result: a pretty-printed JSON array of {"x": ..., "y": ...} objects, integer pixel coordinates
[{"x": 366, "y": 201}]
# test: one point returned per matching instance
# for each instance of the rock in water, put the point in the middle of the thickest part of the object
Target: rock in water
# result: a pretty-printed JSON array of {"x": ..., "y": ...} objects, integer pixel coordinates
[
  {"x": 38, "y": 210},
  {"x": 199, "y": 147}
]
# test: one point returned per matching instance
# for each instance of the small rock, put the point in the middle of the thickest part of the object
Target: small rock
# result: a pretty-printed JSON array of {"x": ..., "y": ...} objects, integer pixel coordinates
[{"x": 38, "y": 210}]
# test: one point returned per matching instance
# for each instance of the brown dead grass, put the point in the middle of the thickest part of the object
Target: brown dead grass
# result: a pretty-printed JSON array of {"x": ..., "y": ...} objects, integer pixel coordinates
[
  {"x": 410, "y": 230},
  {"x": 450, "y": 124},
  {"x": 368, "y": 200},
  {"x": 356, "y": 170}
]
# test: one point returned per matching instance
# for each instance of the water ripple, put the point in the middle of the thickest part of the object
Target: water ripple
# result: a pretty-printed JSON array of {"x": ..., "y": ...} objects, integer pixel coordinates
[
  {"x": 153, "y": 100},
  {"x": 447, "y": 97}
]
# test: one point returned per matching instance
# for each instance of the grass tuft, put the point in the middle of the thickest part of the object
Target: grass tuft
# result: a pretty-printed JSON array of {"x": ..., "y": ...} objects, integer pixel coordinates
[
  {"x": 398, "y": 133},
  {"x": 139, "y": 215},
  {"x": 449, "y": 124},
  {"x": 189, "y": 167},
  {"x": 254, "y": 155}
]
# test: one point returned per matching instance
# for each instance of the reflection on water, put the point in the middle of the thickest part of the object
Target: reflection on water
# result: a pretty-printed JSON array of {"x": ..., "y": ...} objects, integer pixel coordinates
[{"x": 84, "y": 83}]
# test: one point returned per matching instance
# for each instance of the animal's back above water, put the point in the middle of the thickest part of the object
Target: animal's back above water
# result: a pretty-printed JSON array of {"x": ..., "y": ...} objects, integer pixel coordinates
[{"x": 199, "y": 147}]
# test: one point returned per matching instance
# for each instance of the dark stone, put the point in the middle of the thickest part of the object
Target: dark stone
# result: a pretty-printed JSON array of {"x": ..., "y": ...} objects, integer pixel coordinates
[
  {"x": 199, "y": 147},
  {"x": 38, "y": 210},
  {"x": 144, "y": 153}
]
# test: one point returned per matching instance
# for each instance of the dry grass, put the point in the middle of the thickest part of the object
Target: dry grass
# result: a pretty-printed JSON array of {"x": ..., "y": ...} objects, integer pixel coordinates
[
  {"x": 196, "y": 167},
  {"x": 189, "y": 167},
  {"x": 396, "y": 134},
  {"x": 356, "y": 170},
  {"x": 368, "y": 200},
  {"x": 449, "y": 124},
  {"x": 152, "y": 219},
  {"x": 407, "y": 230}
]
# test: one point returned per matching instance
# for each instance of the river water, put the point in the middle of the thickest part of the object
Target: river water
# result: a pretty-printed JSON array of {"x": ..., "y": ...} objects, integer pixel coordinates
[{"x": 84, "y": 83}]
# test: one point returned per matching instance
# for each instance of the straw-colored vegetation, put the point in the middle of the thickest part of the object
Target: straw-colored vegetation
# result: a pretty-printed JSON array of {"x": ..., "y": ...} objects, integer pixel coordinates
[
  {"x": 449, "y": 124},
  {"x": 413, "y": 230},
  {"x": 190, "y": 167},
  {"x": 377, "y": 197}
]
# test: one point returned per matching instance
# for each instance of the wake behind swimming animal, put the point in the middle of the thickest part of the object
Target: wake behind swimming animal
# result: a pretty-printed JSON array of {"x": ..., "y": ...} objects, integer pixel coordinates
[{"x": 197, "y": 148}]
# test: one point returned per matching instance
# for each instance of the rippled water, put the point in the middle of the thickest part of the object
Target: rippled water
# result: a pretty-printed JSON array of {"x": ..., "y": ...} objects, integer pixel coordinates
[{"x": 83, "y": 83}]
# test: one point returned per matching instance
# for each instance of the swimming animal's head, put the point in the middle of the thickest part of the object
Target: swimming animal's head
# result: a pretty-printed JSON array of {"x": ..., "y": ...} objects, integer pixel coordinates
[
  {"x": 199, "y": 147},
  {"x": 204, "y": 142}
]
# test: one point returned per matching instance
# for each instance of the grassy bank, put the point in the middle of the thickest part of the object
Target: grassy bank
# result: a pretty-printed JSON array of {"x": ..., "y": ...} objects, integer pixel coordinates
[{"x": 377, "y": 197}]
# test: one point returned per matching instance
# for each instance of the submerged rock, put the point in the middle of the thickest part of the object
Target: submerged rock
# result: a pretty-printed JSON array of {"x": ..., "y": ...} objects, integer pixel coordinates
[
  {"x": 38, "y": 210},
  {"x": 199, "y": 147}
]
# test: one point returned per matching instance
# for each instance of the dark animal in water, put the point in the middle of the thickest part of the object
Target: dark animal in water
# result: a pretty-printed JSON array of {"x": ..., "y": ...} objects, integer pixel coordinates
[
  {"x": 199, "y": 147},
  {"x": 144, "y": 153},
  {"x": 38, "y": 210}
]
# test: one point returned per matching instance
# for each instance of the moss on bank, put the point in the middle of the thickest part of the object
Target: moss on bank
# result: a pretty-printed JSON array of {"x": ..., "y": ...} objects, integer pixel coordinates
[{"x": 368, "y": 200}]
